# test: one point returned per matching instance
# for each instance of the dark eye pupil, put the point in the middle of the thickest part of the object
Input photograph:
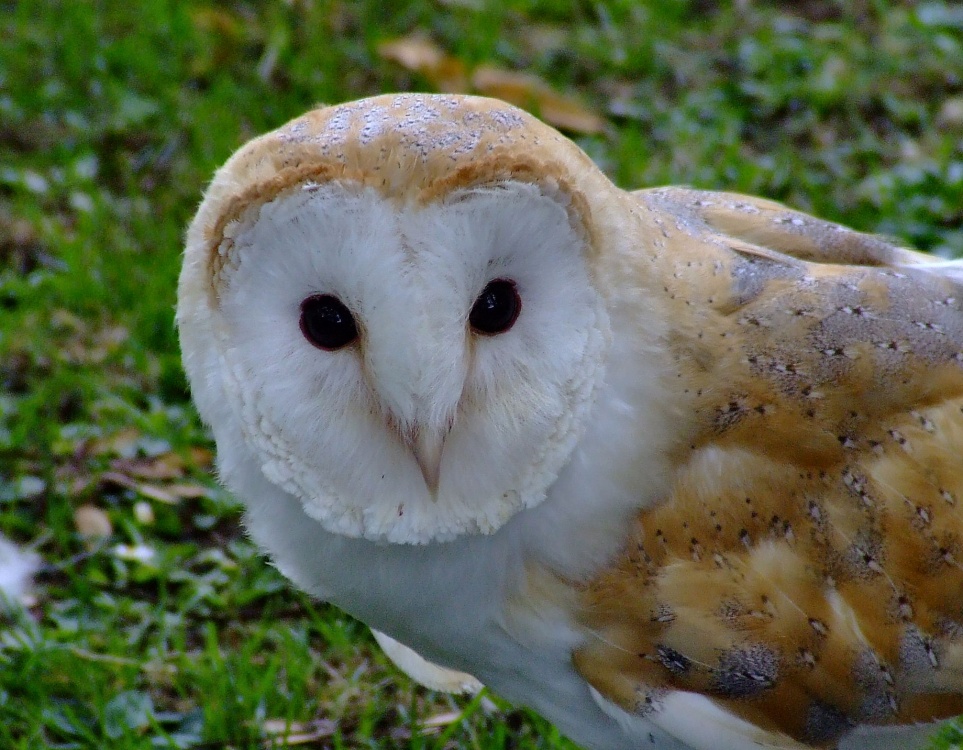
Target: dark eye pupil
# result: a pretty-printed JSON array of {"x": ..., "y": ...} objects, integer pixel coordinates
[
  {"x": 327, "y": 323},
  {"x": 497, "y": 308}
]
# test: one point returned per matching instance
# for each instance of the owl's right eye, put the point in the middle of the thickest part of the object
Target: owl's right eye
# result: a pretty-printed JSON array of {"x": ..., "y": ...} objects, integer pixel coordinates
[{"x": 327, "y": 323}]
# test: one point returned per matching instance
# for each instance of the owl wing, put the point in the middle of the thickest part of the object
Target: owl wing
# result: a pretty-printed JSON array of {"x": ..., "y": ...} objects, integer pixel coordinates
[
  {"x": 805, "y": 572},
  {"x": 771, "y": 225}
]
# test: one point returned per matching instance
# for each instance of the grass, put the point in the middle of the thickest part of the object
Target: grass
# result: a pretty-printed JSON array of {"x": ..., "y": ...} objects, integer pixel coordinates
[{"x": 154, "y": 622}]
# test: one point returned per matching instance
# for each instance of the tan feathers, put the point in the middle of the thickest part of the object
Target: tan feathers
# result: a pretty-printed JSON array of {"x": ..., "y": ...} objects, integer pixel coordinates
[{"x": 807, "y": 569}]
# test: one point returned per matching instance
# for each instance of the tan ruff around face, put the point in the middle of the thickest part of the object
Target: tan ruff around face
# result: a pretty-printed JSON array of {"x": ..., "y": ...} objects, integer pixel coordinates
[{"x": 415, "y": 219}]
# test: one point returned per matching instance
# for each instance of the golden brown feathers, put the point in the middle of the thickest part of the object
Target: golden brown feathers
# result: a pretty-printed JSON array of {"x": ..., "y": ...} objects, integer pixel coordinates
[
  {"x": 806, "y": 570},
  {"x": 795, "y": 540}
]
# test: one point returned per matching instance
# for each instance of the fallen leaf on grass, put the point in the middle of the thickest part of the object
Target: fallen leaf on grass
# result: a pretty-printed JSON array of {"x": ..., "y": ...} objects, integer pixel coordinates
[
  {"x": 526, "y": 90},
  {"x": 92, "y": 522},
  {"x": 185, "y": 491},
  {"x": 169, "y": 494},
  {"x": 165, "y": 466},
  {"x": 426, "y": 58},
  {"x": 201, "y": 457},
  {"x": 152, "y": 491},
  {"x": 529, "y": 91},
  {"x": 297, "y": 733}
]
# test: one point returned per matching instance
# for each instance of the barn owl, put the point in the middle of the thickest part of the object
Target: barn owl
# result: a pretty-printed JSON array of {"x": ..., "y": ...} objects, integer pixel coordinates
[{"x": 677, "y": 469}]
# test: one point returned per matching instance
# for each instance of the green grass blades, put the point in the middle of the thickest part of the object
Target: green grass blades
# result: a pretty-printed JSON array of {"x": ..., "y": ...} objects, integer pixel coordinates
[{"x": 154, "y": 623}]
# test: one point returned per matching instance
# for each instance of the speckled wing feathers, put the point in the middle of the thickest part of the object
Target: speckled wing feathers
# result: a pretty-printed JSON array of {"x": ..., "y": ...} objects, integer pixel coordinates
[
  {"x": 773, "y": 226},
  {"x": 806, "y": 571}
]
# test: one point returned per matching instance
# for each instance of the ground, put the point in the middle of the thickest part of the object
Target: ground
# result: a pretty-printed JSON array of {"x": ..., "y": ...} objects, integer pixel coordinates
[{"x": 154, "y": 622}]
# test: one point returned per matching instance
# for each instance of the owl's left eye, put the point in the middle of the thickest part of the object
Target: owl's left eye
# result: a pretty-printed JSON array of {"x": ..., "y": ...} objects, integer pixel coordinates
[
  {"x": 496, "y": 309},
  {"x": 327, "y": 323}
]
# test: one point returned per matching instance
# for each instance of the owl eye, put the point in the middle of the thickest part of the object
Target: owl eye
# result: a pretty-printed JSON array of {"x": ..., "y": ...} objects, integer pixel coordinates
[
  {"x": 327, "y": 323},
  {"x": 497, "y": 308}
]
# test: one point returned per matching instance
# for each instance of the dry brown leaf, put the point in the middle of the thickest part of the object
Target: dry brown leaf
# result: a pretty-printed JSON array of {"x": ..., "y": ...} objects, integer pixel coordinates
[
  {"x": 90, "y": 521},
  {"x": 187, "y": 491},
  {"x": 413, "y": 53},
  {"x": 422, "y": 56},
  {"x": 298, "y": 733},
  {"x": 152, "y": 491},
  {"x": 529, "y": 91},
  {"x": 115, "y": 477},
  {"x": 447, "y": 73},
  {"x": 201, "y": 457},
  {"x": 164, "y": 466}
]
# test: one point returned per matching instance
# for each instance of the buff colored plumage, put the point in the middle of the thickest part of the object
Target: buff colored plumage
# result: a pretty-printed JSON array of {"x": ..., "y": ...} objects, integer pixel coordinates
[
  {"x": 706, "y": 492},
  {"x": 806, "y": 569}
]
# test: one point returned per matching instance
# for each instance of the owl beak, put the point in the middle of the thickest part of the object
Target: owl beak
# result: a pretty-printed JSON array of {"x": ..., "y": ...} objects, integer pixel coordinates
[{"x": 426, "y": 446}]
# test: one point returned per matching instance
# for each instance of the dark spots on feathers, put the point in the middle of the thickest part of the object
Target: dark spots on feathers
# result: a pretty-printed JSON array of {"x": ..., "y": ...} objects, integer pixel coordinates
[{"x": 745, "y": 672}]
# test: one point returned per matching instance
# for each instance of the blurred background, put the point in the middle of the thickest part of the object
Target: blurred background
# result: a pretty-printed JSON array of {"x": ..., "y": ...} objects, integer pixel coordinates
[{"x": 151, "y": 621}]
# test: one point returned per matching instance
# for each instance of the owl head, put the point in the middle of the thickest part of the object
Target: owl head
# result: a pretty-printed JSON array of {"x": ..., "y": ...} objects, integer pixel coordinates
[{"x": 392, "y": 307}]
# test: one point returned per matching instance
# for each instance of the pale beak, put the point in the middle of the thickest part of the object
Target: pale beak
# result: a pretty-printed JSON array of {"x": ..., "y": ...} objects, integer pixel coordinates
[{"x": 427, "y": 446}]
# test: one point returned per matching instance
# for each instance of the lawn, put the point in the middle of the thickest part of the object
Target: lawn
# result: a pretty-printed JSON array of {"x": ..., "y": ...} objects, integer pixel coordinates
[{"x": 154, "y": 622}]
